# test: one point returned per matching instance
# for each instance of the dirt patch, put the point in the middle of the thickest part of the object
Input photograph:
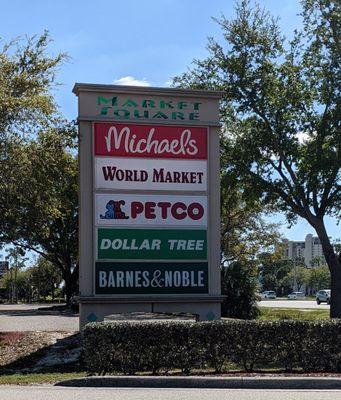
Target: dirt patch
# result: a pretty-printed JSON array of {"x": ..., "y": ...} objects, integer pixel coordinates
[{"x": 35, "y": 351}]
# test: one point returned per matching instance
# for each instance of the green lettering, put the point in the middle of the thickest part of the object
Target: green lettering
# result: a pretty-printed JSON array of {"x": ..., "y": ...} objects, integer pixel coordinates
[
  {"x": 182, "y": 105},
  {"x": 137, "y": 114},
  {"x": 129, "y": 103},
  {"x": 164, "y": 104},
  {"x": 148, "y": 103},
  {"x": 193, "y": 116},
  {"x": 178, "y": 115},
  {"x": 101, "y": 99},
  {"x": 104, "y": 110},
  {"x": 160, "y": 115},
  {"x": 196, "y": 106},
  {"x": 122, "y": 113}
]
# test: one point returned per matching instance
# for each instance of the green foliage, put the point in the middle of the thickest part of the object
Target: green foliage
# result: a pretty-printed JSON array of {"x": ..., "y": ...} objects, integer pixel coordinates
[
  {"x": 44, "y": 278},
  {"x": 131, "y": 347},
  {"x": 27, "y": 74},
  {"x": 319, "y": 278},
  {"x": 239, "y": 284},
  {"x": 39, "y": 199},
  {"x": 274, "y": 271},
  {"x": 281, "y": 113},
  {"x": 244, "y": 231},
  {"x": 39, "y": 172}
]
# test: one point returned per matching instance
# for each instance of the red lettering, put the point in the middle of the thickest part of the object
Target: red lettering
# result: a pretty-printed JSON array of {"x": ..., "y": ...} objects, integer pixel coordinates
[
  {"x": 164, "y": 205},
  {"x": 136, "y": 208},
  {"x": 195, "y": 211},
  {"x": 175, "y": 212},
  {"x": 150, "y": 210}
]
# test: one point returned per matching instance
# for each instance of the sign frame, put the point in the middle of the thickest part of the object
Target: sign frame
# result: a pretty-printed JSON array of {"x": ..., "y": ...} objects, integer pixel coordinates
[{"x": 95, "y": 307}]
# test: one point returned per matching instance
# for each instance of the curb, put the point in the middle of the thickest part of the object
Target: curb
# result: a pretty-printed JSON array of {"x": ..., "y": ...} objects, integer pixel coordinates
[{"x": 205, "y": 382}]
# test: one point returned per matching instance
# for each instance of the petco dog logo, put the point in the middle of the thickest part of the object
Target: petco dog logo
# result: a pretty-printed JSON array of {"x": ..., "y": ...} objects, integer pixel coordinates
[
  {"x": 114, "y": 210},
  {"x": 151, "y": 210}
]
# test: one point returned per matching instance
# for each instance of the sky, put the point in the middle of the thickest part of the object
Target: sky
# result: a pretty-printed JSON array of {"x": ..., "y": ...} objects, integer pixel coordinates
[{"x": 133, "y": 42}]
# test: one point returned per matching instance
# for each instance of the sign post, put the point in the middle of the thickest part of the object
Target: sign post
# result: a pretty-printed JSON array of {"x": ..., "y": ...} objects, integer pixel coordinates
[{"x": 149, "y": 201}]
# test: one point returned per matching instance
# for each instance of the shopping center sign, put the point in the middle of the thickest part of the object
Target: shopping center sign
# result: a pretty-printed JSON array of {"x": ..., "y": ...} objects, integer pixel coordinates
[{"x": 149, "y": 200}]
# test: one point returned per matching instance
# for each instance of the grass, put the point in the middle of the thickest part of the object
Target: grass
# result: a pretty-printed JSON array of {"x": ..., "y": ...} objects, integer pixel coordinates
[
  {"x": 38, "y": 378},
  {"x": 275, "y": 314}
]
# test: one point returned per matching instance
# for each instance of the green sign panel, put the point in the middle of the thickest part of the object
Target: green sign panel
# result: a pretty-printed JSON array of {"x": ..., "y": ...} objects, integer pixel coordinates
[
  {"x": 168, "y": 244},
  {"x": 151, "y": 278}
]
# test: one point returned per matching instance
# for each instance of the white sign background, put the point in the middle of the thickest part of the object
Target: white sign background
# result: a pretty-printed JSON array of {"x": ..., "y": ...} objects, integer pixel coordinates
[
  {"x": 149, "y": 165},
  {"x": 101, "y": 201}
]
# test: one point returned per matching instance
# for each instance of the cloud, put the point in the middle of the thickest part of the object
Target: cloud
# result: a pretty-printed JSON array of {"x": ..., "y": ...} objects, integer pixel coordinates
[
  {"x": 302, "y": 137},
  {"x": 131, "y": 81}
]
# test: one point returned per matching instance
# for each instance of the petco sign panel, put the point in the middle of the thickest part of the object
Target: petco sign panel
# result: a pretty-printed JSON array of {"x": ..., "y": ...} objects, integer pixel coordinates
[
  {"x": 150, "y": 141},
  {"x": 120, "y": 209},
  {"x": 150, "y": 174}
]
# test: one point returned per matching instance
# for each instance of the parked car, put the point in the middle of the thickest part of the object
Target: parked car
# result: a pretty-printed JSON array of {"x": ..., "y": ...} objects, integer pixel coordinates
[
  {"x": 296, "y": 295},
  {"x": 323, "y": 296},
  {"x": 268, "y": 294},
  {"x": 74, "y": 302}
]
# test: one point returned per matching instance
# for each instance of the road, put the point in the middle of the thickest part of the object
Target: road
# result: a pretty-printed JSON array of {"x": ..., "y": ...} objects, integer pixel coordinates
[
  {"x": 28, "y": 317},
  {"x": 59, "y": 393},
  {"x": 285, "y": 303}
]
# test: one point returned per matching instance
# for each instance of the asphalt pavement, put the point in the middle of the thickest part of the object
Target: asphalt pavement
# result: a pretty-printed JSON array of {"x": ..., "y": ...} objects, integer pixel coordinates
[
  {"x": 60, "y": 393},
  {"x": 285, "y": 303},
  {"x": 33, "y": 317}
]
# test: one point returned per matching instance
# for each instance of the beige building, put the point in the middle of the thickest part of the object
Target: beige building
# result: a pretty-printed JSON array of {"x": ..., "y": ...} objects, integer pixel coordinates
[{"x": 308, "y": 251}]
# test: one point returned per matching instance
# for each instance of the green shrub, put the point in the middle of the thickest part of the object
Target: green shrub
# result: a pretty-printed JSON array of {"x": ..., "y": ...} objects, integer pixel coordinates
[{"x": 158, "y": 347}]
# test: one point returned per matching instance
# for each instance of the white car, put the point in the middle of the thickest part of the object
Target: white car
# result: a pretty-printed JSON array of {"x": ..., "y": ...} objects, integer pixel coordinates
[
  {"x": 323, "y": 296},
  {"x": 296, "y": 295},
  {"x": 268, "y": 294}
]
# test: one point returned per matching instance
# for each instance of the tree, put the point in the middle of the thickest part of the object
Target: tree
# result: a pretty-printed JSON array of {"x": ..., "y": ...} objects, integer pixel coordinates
[
  {"x": 22, "y": 286},
  {"x": 45, "y": 278},
  {"x": 244, "y": 236},
  {"x": 244, "y": 231},
  {"x": 39, "y": 199},
  {"x": 239, "y": 284},
  {"x": 284, "y": 133},
  {"x": 319, "y": 278},
  {"x": 39, "y": 174},
  {"x": 297, "y": 277},
  {"x": 27, "y": 74},
  {"x": 16, "y": 259},
  {"x": 274, "y": 270}
]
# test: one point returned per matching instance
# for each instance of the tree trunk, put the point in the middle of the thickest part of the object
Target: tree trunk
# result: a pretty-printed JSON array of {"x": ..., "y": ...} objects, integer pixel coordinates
[
  {"x": 334, "y": 264},
  {"x": 71, "y": 283}
]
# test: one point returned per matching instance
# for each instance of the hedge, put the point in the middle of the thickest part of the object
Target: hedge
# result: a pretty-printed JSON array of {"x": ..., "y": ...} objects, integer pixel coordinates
[{"x": 158, "y": 347}]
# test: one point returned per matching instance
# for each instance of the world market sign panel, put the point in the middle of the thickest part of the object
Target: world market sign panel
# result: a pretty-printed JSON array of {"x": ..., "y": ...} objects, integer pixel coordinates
[{"x": 148, "y": 174}]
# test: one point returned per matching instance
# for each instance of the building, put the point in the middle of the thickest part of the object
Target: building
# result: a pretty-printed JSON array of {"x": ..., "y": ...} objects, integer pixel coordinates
[{"x": 308, "y": 252}]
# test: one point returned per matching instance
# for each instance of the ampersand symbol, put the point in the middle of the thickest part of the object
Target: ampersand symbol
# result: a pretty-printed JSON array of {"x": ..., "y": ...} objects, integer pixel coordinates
[{"x": 157, "y": 281}]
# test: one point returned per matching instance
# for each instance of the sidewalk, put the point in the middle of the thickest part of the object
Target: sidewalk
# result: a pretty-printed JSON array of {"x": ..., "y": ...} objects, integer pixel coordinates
[{"x": 238, "y": 382}]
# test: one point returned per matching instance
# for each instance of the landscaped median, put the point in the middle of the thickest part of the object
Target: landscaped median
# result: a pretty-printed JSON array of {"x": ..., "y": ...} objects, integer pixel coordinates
[{"x": 160, "y": 347}]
